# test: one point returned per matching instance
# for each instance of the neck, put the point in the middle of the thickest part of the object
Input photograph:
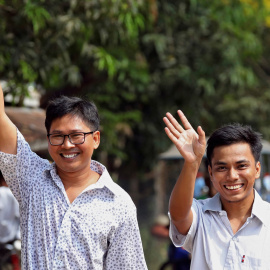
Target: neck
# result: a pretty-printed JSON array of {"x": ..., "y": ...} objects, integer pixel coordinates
[
  {"x": 75, "y": 182},
  {"x": 239, "y": 211},
  {"x": 3, "y": 184},
  {"x": 78, "y": 179}
]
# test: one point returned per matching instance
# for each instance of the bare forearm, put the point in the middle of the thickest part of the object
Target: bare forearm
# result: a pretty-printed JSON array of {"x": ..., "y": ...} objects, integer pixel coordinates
[
  {"x": 2, "y": 111},
  {"x": 182, "y": 196},
  {"x": 8, "y": 135},
  {"x": 191, "y": 146}
]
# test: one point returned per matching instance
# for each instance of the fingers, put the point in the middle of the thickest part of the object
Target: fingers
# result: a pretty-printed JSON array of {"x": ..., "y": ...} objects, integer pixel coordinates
[
  {"x": 184, "y": 120},
  {"x": 171, "y": 135},
  {"x": 201, "y": 134},
  {"x": 172, "y": 124},
  {"x": 171, "y": 128}
]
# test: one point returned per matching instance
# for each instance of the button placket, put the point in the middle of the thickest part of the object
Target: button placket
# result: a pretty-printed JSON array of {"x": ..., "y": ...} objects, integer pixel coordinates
[{"x": 63, "y": 238}]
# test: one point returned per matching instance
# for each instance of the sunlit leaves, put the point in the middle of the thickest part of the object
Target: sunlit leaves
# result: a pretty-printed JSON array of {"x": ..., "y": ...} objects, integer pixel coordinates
[
  {"x": 91, "y": 46},
  {"x": 37, "y": 15},
  {"x": 63, "y": 32},
  {"x": 105, "y": 61},
  {"x": 137, "y": 63},
  {"x": 28, "y": 74}
]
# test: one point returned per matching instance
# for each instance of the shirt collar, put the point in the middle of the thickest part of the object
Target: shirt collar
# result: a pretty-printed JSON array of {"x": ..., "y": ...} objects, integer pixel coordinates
[
  {"x": 105, "y": 179},
  {"x": 260, "y": 208},
  {"x": 213, "y": 204}
]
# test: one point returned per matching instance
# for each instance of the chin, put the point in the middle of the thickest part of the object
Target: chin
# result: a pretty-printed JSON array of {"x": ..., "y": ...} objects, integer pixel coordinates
[
  {"x": 236, "y": 199},
  {"x": 67, "y": 169}
]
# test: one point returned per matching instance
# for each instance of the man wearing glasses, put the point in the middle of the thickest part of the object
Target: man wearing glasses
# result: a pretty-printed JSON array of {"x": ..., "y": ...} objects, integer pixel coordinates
[{"x": 73, "y": 216}]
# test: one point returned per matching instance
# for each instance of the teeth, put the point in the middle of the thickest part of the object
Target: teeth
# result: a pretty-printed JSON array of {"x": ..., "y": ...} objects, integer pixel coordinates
[
  {"x": 69, "y": 156},
  {"x": 233, "y": 187}
]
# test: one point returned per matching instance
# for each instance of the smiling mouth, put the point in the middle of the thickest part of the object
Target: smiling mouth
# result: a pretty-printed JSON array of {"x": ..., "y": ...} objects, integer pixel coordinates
[
  {"x": 234, "y": 187},
  {"x": 69, "y": 155}
]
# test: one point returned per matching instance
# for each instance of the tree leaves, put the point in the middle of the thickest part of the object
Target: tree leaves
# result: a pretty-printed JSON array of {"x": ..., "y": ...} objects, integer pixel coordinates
[
  {"x": 139, "y": 59},
  {"x": 36, "y": 14}
]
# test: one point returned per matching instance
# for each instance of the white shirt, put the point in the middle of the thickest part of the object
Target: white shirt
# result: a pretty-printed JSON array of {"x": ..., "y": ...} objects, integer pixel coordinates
[
  {"x": 98, "y": 230},
  {"x": 9, "y": 216},
  {"x": 214, "y": 246}
]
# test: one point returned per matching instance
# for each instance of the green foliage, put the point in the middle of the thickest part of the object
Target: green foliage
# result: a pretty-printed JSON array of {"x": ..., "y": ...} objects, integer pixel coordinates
[
  {"x": 203, "y": 52},
  {"x": 28, "y": 73},
  {"x": 37, "y": 15},
  {"x": 84, "y": 45},
  {"x": 139, "y": 59}
]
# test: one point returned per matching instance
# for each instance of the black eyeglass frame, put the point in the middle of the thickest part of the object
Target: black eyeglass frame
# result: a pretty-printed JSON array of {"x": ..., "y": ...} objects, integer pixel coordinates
[{"x": 67, "y": 135}]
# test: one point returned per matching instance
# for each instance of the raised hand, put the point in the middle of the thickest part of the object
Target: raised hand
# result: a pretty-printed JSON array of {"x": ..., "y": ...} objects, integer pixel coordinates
[
  {"x": 8, "y": 132},
  {"x": 189, "y": 143}
]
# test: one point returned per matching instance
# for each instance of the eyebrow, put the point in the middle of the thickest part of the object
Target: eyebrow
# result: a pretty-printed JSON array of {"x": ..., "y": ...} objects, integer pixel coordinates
[
  {"x": 220, "y": 163},
  {"x": 237, "y": 162},
  {"x": 71, "y": 131}
]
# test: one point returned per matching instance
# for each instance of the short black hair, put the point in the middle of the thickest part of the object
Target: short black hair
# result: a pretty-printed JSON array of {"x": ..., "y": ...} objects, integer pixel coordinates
[
  {"x": 234, "y": 133},
  {"x": 75, "y": 106}
]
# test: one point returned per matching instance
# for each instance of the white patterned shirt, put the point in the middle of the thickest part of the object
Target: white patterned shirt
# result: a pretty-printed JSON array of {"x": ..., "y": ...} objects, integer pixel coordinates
[
  {"x": 98, "y": 230},
  {"x": 213, "y": 244}
]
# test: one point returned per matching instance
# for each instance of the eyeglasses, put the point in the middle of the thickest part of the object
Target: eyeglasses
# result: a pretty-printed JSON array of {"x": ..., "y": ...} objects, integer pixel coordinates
[{"x": 74, "y": 138}]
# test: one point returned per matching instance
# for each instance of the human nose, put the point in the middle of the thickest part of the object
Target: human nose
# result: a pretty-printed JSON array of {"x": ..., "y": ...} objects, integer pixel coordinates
[
  {"x": 67, "y": 143},
  {"x": 233, "y": 174}
]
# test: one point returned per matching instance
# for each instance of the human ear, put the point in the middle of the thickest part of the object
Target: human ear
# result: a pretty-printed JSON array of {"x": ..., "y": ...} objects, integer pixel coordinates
[
  {"x": 258, "y": 169},
  {"x": 96, "y": 138},
  {"x": 210, "y": 172}
]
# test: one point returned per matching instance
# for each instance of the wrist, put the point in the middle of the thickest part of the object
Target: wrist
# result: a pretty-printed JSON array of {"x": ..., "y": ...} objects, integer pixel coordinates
[{"x": 195, "y": 165}]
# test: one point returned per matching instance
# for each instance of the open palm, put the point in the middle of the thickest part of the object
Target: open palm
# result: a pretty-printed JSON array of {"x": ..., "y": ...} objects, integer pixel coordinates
[{"x": 189, "y": 143}]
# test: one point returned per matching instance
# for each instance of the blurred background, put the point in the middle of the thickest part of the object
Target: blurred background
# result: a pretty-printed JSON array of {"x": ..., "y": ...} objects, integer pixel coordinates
[{"x": 137, "y": 60}]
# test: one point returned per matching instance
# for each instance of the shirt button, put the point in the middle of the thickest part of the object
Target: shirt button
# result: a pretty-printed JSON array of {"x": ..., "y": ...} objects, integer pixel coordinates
[{"x": 235, "y": 239}]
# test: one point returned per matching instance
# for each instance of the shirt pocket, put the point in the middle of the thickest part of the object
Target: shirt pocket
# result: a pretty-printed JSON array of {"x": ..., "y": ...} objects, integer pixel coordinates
[{"x": 252, "y": 263}]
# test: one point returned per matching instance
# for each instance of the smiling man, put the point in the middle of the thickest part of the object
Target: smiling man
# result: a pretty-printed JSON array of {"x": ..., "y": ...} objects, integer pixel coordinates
[
  {"x": 232, "y": 229},
  {"x": 73, "y": 216}
]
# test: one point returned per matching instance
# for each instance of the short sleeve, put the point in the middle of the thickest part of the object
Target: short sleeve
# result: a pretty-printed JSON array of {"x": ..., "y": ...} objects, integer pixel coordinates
[
  {"x": 125, "y": 251},
  {"x": 185, "y": 241},
  {"x": 22, "y": 170}
]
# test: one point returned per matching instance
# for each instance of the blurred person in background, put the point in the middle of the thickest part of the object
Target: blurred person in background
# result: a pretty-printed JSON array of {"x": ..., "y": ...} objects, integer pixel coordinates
[
  {"x": 231, "y": 229},
  {"x": 73, "y": 216},
  {"x": 10, "y": 244},
  {"x": 178, "y": 257},
  {"x": 9, "y": 214},
  {"x": 266, "y": 185},
  {"x": 199, "y": 186}
]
